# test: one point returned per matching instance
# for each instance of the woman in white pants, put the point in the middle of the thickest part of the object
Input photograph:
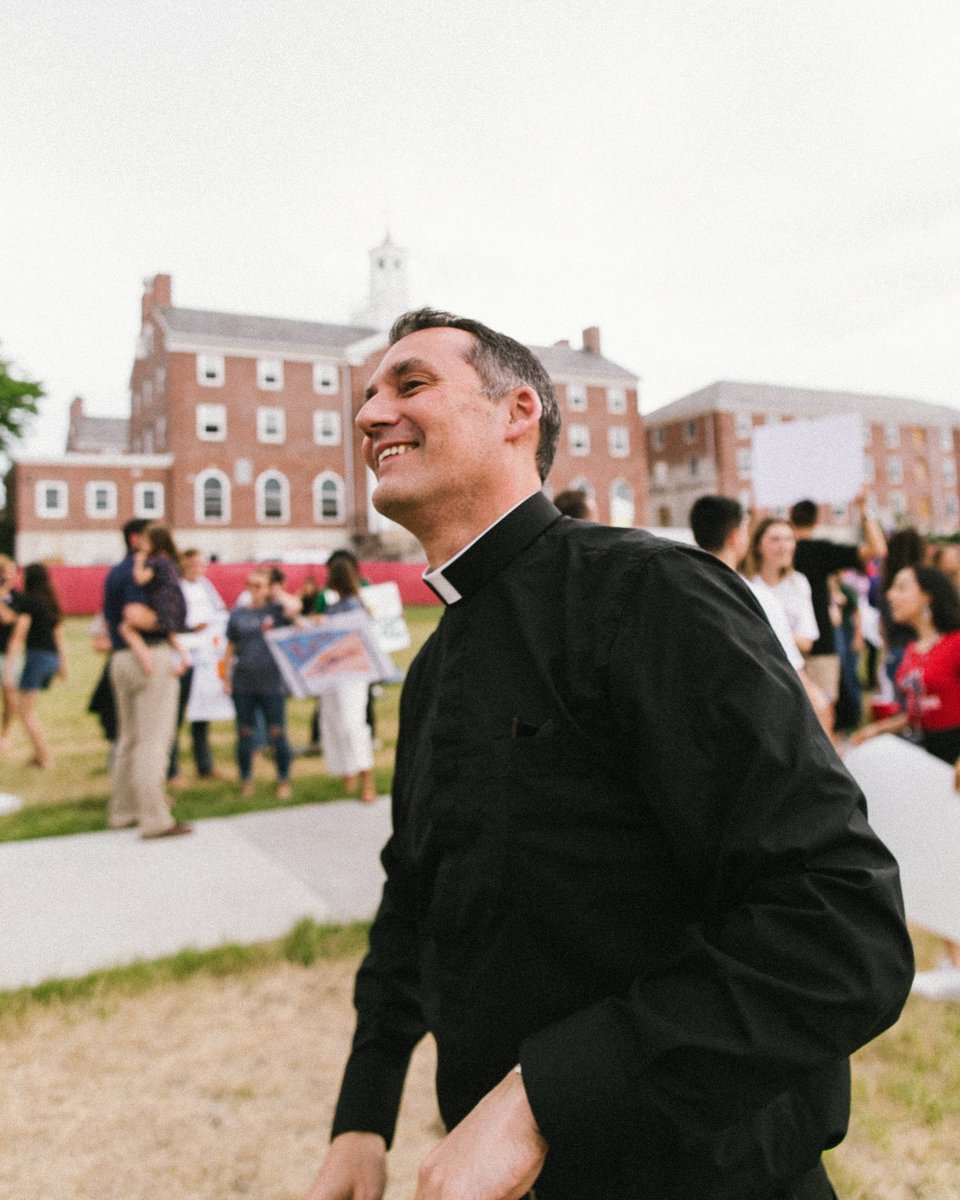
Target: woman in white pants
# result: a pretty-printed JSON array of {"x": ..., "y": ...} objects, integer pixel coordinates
[{"x": 344, "y": 732}]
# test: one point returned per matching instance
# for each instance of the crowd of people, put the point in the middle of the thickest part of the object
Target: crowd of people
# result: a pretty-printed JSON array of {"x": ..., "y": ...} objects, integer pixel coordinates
[{"x": 152, "y": 598}]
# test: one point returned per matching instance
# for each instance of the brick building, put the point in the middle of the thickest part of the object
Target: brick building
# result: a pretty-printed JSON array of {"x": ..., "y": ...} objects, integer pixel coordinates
[
  {"x": 702, "y": 443},
  {"x": 241, "y": 437}
]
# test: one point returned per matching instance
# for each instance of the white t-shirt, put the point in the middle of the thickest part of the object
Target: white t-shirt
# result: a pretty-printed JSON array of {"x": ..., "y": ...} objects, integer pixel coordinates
[
  {"x": 203, "y": 601},
  {"x": 793, "y": 592},
  {"x": 777, "y": 617}
]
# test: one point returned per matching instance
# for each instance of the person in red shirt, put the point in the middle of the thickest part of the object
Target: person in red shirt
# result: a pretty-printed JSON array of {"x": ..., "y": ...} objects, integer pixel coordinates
[{"x": 929, "y": 673}]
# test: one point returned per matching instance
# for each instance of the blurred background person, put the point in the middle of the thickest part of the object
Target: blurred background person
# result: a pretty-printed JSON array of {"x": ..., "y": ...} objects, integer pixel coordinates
[
  {"x": 578, "y": 504},
  {"x": 906, "y": 549},
  {"x": 817, "y": 559},
  {"x": 770, "y": 559},
  {"x": 719, "y": 527},
  {"x": 344, "y": 732},
  {"x": 203, "y": 604},
  {"x": 252, "y": 678},
  {"x": 38, "y": 636},
  {"x": 928, "y": 677},
  {"x": 8, "y": 617}
]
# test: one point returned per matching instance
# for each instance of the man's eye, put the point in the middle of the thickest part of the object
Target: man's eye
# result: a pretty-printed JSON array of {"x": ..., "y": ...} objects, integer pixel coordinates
[{"x": 410, "y": 385}]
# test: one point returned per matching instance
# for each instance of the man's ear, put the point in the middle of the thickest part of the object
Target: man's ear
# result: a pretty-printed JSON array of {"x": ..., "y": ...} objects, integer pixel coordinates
[{"x": 523, "y": 412}]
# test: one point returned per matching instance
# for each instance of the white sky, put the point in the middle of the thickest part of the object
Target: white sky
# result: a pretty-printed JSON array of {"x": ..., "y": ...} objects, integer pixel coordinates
[{"x": 744, "y": 189}]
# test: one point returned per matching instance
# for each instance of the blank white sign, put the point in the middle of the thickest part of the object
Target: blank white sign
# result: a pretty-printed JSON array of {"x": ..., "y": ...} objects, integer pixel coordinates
[{"x": 819, "y": 460}]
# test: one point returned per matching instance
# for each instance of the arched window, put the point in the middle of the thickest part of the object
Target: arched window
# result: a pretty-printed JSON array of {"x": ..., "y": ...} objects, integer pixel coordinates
[
  {"x": 328, "y": 506},
  {"x": 273, "y": 497},
  {"x": 622, "y": 509},
  {"x": 211, "y": 497}
]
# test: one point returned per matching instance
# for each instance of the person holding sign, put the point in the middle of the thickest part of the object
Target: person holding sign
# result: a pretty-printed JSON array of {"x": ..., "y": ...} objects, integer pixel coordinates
[{"x": 929, "y": 672}]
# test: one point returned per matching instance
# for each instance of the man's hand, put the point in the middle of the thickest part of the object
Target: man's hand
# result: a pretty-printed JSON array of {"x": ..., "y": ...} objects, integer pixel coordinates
[
  {"x": 355, "y": 1169},
  {"x": 495, "y": 1153}
]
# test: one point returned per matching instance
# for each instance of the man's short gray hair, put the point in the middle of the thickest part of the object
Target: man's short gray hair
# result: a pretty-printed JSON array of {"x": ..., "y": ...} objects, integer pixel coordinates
[{"x": 502, "y": 364}]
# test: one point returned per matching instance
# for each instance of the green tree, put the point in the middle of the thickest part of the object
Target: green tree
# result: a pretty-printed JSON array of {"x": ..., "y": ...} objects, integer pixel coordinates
[{"x": 18, "y": 400}]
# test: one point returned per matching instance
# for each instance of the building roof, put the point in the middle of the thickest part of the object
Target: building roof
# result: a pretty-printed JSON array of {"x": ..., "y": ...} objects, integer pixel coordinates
[
  {"x": 562, "y": 361},
  {"x": 729, "y": 396},
  {"x": 92, "y": 435},
  {"x": 237, "y": 329}
]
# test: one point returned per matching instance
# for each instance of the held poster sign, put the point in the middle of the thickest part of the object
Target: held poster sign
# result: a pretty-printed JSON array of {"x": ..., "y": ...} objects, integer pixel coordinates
[
  {"x": 314, "y": 658},
  {"x": 819, "y": 460}
]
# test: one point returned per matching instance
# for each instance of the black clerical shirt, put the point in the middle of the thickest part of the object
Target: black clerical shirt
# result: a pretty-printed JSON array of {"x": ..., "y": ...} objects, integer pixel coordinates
[{"x": 625, "y": 855}]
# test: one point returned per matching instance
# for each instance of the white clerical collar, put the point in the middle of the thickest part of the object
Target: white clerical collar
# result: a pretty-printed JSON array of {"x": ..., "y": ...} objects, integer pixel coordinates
[{"x": 460, "y": 574}]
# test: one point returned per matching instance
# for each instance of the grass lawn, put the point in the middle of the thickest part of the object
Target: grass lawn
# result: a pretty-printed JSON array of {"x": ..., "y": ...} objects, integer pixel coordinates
[
  {"x": 70, "y": 796},
  {"x": 904, "y": 1139}
]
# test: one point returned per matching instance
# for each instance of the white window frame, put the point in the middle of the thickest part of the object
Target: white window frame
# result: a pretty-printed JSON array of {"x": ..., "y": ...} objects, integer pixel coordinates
[
  {"x": 895, "y": 470},
  {"x": 319, "y": 482},
  {"x": 869, "y": 468},
  {"x": 327, "y": 427},
  {"x": 948, "y": 470},
  {"x": 578, "y": 440},
  {"x": 109, "y": 488},
  {"x": 661, "y": 473},
  {"x": 744, "y": 424},
  {"x": 898, "y": 503},
  {"x": 140, "y": 508},
  {"x": 946, "y": 440},
  {"x": 693, "y": 466},
  {"x": 618, "y": 441},
  {"x": 616, "y": 402},
  {"x": 691, "y": 430},
  {"x": 271, "y": 425},
  {"x": 656, "y": 438},
  {"x": 59, "y": 509},
  {"x": 270, "y": 374},
  {"x": 744, "y": 461},
  {"x": 891, "y": 436},
  {"x": 576, "y": 397},
  {"x": 326, "y": 378},
  {"x": 211, "y": 370},
  {"x": 212, "y": 473},
  {"x": 262, "y": 482},
  {"x": 212, "y": 422}
]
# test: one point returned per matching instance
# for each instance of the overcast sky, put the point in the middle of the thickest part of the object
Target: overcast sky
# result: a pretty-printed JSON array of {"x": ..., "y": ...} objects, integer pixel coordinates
[{"x": 736, "y": 189}]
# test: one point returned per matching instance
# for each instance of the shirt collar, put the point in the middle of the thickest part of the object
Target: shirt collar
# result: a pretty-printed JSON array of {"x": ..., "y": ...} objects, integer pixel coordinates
[{"x": 487, "y": 555}]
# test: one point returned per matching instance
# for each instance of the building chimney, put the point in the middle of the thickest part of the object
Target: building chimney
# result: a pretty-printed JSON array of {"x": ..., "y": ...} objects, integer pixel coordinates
[
  {"x": 156, "y": 291},
  {"x": 564, "y": 342},
  {"x": 591, "y": 339}
]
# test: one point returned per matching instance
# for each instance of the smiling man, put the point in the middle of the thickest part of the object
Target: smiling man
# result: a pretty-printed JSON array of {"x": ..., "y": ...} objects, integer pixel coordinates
[{"x": 630, "y": 890}]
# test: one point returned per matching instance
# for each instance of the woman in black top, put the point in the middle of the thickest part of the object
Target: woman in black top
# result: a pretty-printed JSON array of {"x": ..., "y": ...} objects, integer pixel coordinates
[{"x": 38, "y": 631}]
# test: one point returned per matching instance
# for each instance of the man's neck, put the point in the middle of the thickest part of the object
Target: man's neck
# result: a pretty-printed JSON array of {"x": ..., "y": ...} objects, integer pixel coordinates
[{"x": 450, "y": 537}]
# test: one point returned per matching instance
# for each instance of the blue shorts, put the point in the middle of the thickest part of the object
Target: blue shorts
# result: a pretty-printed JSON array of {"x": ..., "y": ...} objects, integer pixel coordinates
[{"x": 39, "y": 667}]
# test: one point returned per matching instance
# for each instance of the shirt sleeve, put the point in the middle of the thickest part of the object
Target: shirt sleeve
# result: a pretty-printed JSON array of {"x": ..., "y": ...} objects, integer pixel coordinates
[
  {"x": 390, "y": 1019},
  {"x": 801, "y": 953}
]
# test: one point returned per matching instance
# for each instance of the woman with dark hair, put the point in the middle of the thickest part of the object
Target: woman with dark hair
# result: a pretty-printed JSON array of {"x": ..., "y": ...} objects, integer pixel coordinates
[
  {"x": 344, "y": 732},
  {"x": 929, "y": 673},
  {"x": 905, "y": 548},
  {"x": 38, "y": 632}
]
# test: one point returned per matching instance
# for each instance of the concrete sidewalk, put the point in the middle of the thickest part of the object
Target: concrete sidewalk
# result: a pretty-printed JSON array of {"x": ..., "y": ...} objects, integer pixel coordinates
[{"x": 71, "y": 905}]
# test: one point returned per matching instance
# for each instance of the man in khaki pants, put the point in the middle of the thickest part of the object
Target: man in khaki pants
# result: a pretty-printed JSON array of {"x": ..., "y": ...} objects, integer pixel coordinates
[{"x": 146, "y": 710}]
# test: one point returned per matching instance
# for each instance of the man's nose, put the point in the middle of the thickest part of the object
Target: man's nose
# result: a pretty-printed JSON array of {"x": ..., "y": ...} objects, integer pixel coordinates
[{"x": 375, "y": 412}]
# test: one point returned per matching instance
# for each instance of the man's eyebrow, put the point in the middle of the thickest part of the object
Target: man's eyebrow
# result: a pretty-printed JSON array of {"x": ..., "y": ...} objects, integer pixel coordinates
[{"x": 398, "y": 371}]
